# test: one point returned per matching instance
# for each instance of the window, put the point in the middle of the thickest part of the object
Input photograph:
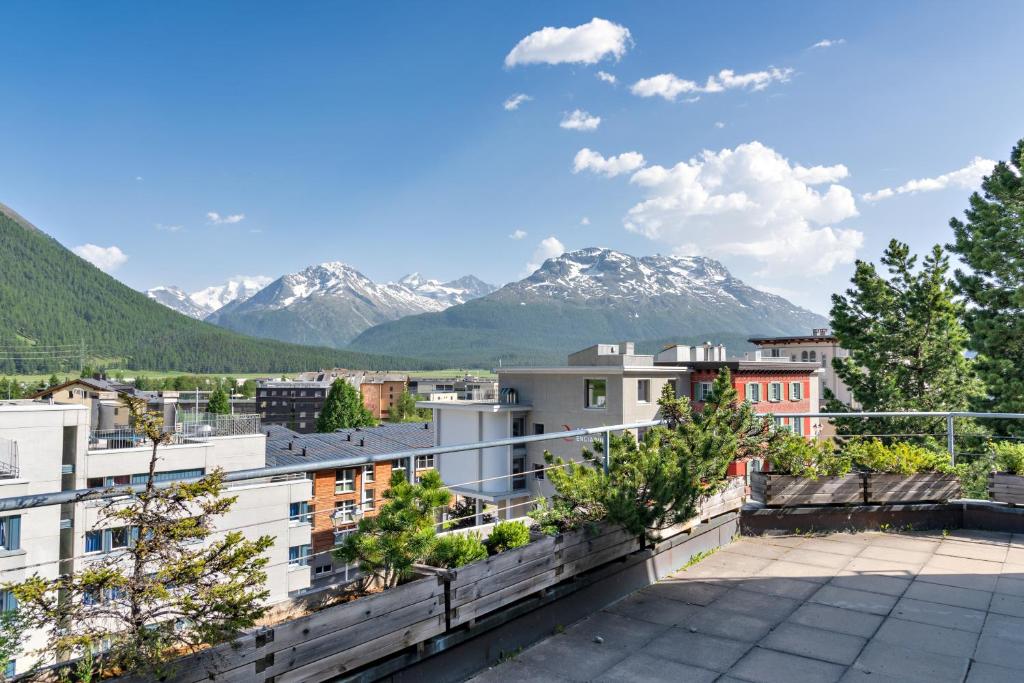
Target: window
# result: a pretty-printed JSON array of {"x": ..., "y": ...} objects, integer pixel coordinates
[
  {"x": 93, "y": 541},
  {"x": 814, "y": 356},
  {"x": 94, "y": 482},
  {"x": 322, "y": 569},
  {"x": 796, "y": 391},
  {"x": 11, "y": 668},
  {"x": 119, "y": 537},
  {"x": 803, "y": 356},
  {"x": 753, "y": 392},
  {"x": 344, "y": 481},
  {"x": 7, "y": 602},
  {"x": 345, "y": 511},
  {"x": 339, "y": 536},
  {"x": 538, "y": 428},
  {"x": 10, "y": 532},
  {"x": 298, "y": 556},
  {"x": 300, "y": 513},
  {"x": 367, "y": 474},
  {"x": 643, "y": 390},
  {"x": 824, "y": 361},
  {"x": 367, "y": 500},
  {"x": 704, "y": 391},
  {"x": 398, "y": 466},
  {"x": 595, "y": 393},
  {"x": 424, "y": 462},
  {"x": 518, "y": 469},
  {"x": 538, "y": 470},
  {"x": 775, "y": 391}
]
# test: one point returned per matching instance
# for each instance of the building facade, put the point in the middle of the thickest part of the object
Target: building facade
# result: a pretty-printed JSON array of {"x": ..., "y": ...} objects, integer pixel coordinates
[
  {"x": 467, "y": 388},
  {"x": 295, "y": 405},
  {"x": 818, "y": 347}
]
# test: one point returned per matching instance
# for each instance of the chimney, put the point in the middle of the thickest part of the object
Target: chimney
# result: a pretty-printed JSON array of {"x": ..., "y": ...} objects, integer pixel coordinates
[
  {"x": 290, "y": 444},
  {"x": 362, "y": 442},
  {"x": 348, "y": 437},
  {"x": 303, "y": 451},
  {"x": 426, "y": 425}
]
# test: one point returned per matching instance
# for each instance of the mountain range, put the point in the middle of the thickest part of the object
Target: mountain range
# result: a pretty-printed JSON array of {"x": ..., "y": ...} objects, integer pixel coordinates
[
  {"x": 201, "y": 304},
  {"x": 54, "y": 305},
  {"x": 330, "y": 303},
  {"x": 588, "y": 296}
]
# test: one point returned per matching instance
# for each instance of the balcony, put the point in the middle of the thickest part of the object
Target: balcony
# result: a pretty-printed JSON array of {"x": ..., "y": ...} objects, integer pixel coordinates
[
  {"x": 9, "y": 459},
  {"x": 189, "y": 428}
]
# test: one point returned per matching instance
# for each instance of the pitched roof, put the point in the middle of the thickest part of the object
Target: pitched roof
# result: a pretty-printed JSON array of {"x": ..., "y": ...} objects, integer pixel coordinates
[{"x": 387, "y": 438}]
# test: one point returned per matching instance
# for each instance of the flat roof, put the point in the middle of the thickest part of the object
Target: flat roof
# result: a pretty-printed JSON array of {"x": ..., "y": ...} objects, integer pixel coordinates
[
  {"x": 829, "y": 338},
  {"x": 475, "y": 406},
  {"x": 597, "y": 369},
  {"x": 754, "y": 365}
]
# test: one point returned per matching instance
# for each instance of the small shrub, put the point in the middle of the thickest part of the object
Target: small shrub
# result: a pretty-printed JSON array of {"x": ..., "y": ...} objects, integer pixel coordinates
[
  {"x": 456, "y": 550},
  {"x": 464, "y": 514},
  {"x": 1009, "y": 457},
  {"x": 507, "y": 535},
  {"x": 898, "y": 458},
  {"x": 792, "y": 454}
]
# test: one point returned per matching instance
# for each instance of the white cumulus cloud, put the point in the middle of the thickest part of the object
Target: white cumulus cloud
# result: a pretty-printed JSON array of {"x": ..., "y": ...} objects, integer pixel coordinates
[
  {"x": 828, "y": 42},
  {"x": 549, "y": 247},
  {"x": 517, "y": 235},
  {"x": 969, "y": 177},
  {"x": 607, "y": 77},
  {"x": 580, "y": 120},
  {"x": 588, "y": 160},
  {"x": 217, "y": 219},
  {"x": 719, "y": 124},
  {"x": 749, "y": 201},
  {"x": 669, "y": 86},
  {"x": 584, "y": 221},
  {"x": 512, "y": 103},
  {"x": 107, "y": 259},
  {"x": 584, "y": 44}
]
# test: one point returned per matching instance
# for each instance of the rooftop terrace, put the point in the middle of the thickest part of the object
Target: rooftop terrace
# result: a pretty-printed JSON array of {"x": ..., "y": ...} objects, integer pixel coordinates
[{"x": 869, "y": 606}]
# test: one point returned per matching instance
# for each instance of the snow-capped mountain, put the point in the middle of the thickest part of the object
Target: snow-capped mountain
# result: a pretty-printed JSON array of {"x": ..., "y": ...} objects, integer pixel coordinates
[
  {"x": 589, "y": 296},
  {"x": 448, "y": 293},
  {"x": 327, "y": 304},
  {"x": 206, "y": 301}
]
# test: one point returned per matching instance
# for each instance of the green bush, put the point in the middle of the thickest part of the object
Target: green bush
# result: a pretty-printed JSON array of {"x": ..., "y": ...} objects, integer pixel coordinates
[
  {"x": 507, "y": 535},
  {"x": 809, "y": 458},
  {"x": 1009, "y": 457},
  {"x": 456, "y": 550},
  {"x": 898, "y": 458}
]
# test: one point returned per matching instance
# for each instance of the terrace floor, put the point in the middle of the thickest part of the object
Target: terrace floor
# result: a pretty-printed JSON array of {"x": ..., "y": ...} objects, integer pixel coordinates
[{"x": 866, "y": 607}]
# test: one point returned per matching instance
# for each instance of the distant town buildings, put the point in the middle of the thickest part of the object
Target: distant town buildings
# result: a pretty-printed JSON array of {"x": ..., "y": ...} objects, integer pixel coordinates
[
  {"x": 295, "y": 405},
  {"x": 820, "y": 346},
  {"x": 466, "y": 388}
]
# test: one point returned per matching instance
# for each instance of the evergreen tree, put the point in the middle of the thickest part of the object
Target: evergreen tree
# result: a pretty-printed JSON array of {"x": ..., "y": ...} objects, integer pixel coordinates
[
  {"x": 343, "y": 408},
  {"x": 991, "y": 243},
  {"x": 175, "y": 589},
  {"x": 53, "y": 381},
  {"x": 405, "y": 408},
  {"x": 906, "y": 343},
  {"x": 219, "y": 402}
]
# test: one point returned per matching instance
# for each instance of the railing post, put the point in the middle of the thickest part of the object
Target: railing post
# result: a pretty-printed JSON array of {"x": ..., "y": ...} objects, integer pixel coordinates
[
  {"x": 607, "y": 450},
  {"x": 949, "y": 439}
]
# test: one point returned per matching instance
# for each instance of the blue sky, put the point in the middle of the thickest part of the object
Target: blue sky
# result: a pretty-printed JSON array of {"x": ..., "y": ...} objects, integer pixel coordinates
[{"x": 376, "y": 134}]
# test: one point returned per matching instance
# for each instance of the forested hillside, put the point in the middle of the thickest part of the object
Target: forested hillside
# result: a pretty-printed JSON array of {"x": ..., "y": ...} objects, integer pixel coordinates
[{"x": 50, "y": 297}]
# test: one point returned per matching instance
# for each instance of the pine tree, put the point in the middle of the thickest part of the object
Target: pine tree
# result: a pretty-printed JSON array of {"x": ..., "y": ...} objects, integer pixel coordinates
[
  {"x": 405, "y": 408},
  {"x": 991, "y": 243},
  {"x": 343, "y": 409},
  {"x": 906, "y": 343},
  {"x": 219, "y": 402},
  {"x": 53, "y": 381},
  {"x": 176, "y": 588}
]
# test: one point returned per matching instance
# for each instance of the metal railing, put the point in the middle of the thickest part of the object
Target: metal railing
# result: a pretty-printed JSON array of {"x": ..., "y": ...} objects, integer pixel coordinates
[
  {"x": 208, "y": 425},
  {"x": 8, "y": 459},
  {"x": 123, "y": 437}
]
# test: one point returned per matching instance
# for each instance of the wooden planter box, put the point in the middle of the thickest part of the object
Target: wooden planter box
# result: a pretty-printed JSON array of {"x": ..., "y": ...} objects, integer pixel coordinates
[
  {"x": 1006, "y": 488},
  {"x": 924, "y": 487},
  {"x": 327, "y": 643},
  {"x": 728, "y": 499},
  {"x": 787, "y": 490},
  {"x": 487, "y": 585}
]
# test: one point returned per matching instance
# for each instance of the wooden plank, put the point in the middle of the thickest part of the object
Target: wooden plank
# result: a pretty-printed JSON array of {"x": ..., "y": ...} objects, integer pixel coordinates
[
  {"x": 923, "y": 487},
  {"x": 788, "y": 490},
  {"x": 463, "y": 593},
  {"x": 503, "y": 597},
  {"x": 507, "y": 560},
  {"x": 607, "y": 555}
]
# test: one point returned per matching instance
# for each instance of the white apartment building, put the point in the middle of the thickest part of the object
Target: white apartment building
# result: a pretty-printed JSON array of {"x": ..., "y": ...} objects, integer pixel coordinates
[
  {"x": 820, "y": 346},
  {"x": 56, "y": 451}
]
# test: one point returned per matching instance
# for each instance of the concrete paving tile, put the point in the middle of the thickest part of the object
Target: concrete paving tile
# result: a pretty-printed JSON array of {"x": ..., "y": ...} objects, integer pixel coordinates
[
  {"x": 1012, "y": 605},
  {"x": 754, "y": 548},
  {"x": 847, "y": 621},
  {"x": 572, "y": 658},
  {"x": 857, "y": 676},
  {"x": 975, "y": 551},
  {"x": 769, "y": 666},
  {"x": 905, "y": 664},
  {"x": 619, "y": 630},
  {"x": 697, "y": 649},
  {"x": 939, "y": 614},
  {"x": 927, "y": 637},
  {"x": 875, "y": 567},
  {"x": 798, "y": 589},
  {"x": 786, "y": 541},
  {"x": 830, "y": 646},
  {"x": 1015, "y": 555},
  {"x": 999, "y": 651},
  {"x": 1014, "y": 571},
  {"x": 723, "y": 624},
  {"x": 517, "y": 671},
  {"x": 901, "y": 542},
  {"x": 834, "y": 545},
  {"x": 982, "y": 582},
  {"x": 980, "y": 536},
  {"x": 881, "y": 552},
  {"x": 888, "y": 585},
  {"x": 645, "y": 607},
  {"x": 1004, "y": 626},
  {"x": 642, "y": 667},
  {"x": 949, "y": 595},
  {"x": 990, "y": 673},
  {"x": 768, "y": 607},
  {"x": 724, "y": 566},
  {"x": 1017, "y": 540},
  {"x": 816, "y": 558},
  {"x": 793, "y": 570},
  {"x": 691, "y": 592},
  {"x": 1010, "y": 586},
  {"x": 954, "y": 564},
  {"x": 847, "y": 598}
]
